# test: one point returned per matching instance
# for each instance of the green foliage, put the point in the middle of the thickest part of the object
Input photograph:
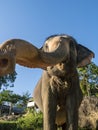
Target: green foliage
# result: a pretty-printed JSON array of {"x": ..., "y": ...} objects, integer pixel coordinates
[
  {"x": 7, "y": 80},
  {"x": 89, "y": 79},
  {"x": 8, "y": 125},
  {"x": 14, "y": 99},
  {"x": 30, "y": 122},
  {"x": 7, "y": 95}
]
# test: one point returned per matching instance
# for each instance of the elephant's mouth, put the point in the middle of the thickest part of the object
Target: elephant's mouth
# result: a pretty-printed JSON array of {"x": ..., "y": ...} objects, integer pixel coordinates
[{"x": 3, "y": 63}]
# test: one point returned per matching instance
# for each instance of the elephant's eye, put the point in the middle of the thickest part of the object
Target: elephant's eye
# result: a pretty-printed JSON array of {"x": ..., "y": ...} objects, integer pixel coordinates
[{"x": 46, "y": 48}]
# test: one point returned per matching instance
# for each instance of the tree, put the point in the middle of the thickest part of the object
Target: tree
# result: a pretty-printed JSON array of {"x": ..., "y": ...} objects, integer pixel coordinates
[
  {"x": 7, "y": 80},
  {"x": 23, "y": 99},
  {"x": 19, "y": 101},
  {"x": 89, "y": 79},
  {"x": 9, "y": 96}
]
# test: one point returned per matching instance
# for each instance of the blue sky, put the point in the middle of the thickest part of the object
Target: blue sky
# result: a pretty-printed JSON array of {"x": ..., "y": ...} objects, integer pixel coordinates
[{"x": 34, "y": 20}]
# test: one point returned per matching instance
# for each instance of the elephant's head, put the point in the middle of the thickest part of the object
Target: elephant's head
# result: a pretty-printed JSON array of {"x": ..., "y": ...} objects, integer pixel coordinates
[{"x": 57, "y": 48}]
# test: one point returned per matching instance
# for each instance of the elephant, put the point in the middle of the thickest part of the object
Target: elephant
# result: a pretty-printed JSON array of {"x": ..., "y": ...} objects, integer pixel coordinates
[{"x": 57, "y": 94}]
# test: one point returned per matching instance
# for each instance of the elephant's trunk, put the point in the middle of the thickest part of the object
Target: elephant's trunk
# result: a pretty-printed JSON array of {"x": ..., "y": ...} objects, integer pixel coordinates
[{"x": 22, "y": 52}]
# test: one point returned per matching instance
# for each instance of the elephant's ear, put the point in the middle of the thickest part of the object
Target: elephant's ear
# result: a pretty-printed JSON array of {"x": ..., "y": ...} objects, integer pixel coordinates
[{"x": 84, "y": 56}]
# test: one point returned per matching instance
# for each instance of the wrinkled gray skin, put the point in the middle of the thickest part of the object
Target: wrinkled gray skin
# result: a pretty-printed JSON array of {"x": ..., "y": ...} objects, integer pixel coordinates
[{"x": 57, "y": 94}]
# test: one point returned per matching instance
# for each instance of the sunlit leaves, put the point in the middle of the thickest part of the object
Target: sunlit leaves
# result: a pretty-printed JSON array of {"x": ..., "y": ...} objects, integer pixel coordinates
[{"x": 89, "y": 79}]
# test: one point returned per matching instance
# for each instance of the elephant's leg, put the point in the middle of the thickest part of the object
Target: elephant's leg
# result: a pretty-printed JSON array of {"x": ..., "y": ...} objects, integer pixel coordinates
[
  {"x": 49, "y": 98},
  {"x": 49, "y": 111},
  {"x": 72, "y": 113}
]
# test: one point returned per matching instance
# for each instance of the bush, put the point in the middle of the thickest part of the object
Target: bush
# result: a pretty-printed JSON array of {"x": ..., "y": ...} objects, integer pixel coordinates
[
  {"x": 30, "y": 122},
  {"x": 8, "y": 125}
]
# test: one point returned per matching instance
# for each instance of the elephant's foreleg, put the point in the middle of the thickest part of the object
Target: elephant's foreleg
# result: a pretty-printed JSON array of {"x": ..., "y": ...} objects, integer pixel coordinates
[
  {"x": 72, "y": 113},
  {"x": 49, "y": 110},
  {"x": 49, "y": 102}
]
